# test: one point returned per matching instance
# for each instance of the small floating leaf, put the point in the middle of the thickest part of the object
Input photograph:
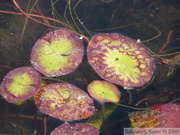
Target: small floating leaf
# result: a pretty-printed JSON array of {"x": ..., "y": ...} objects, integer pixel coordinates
[
  {"x": 104, "y": 91},
  {"x": 20, "y": 84}
]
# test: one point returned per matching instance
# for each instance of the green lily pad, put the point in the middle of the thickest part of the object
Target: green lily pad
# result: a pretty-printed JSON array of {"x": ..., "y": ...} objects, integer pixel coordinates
[
  {"x": 20, "y": 84},
  {"x": 58, "y": 53},
  {"x": 120, "y": 60},
  {"x": 64, "y": 101},
  {"x": 104, "y": 91}
]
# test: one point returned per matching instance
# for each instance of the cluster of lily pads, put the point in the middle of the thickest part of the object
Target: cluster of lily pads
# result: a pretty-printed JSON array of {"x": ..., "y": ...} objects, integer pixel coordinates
[{"x": 115, "y": 58}]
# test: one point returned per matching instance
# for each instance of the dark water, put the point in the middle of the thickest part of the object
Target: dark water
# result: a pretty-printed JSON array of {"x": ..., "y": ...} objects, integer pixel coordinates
[{"x": 138, "y": 19}]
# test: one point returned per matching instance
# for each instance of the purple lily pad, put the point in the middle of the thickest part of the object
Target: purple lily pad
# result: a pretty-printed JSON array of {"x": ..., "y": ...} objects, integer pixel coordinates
[
  {"x": 75, "y": 129},
  {"x": 158, "y": 115},
  {"x": 120, "y": 60},
  {"x": 64, "y": 101},
  {"x": 20, "y": 84},
  {"x": 169, "y": 115},
  {"x": 58, "y": 53}
]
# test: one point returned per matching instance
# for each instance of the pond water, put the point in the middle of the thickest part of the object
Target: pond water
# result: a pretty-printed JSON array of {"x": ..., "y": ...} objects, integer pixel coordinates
[{"x": 147, "y": 20}]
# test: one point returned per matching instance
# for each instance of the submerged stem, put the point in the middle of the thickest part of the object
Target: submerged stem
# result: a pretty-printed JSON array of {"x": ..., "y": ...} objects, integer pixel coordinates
[{"x": 136, "y": 108}]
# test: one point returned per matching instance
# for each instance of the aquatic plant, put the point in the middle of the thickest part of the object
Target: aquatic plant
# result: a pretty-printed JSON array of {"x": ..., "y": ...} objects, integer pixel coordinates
[
  {"x": 156, "y": 116},
  {"x": 116, "y": 58},
  {"x": 64, "y": 101},
  {"x": 75, "y": 129},
  {"x": 58, "y": 53},
  {"x": 20, "y": 84},
  {"x": 104, "y": 91},
  {"x": 120, "y": 60}
]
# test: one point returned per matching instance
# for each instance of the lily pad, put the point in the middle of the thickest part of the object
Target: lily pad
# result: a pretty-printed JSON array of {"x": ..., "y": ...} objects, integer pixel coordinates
[
  {"x": 104, "y": 91},
  {"x": 75, "y": 129},
  {"x": 64, "y": 101},
  {"x": 20, "y": 84},
  {"x": 157, "y": 116},
  {"x": 169, "y": 116},
  {"x": 120, "y": 60},
  {"x": 58, "y": 53}
]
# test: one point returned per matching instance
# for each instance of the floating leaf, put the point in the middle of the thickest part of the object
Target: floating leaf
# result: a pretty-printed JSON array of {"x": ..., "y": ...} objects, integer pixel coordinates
[
  {"x": 64, "y": 101},
  {"x": 20, "y": 84},
  {"x": 75, "y": 129},
  {"x": 104, "y": 91},
  {"x": 158, "y": 115},
  {"x": 57, "y": 53},
  {"x": 31, "y": 98},
  {"x": 120, "y": 60}
]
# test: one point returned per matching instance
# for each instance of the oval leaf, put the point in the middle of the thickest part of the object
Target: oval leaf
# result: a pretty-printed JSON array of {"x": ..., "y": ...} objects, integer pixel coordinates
[
  {"x": 120, "y": 60},
  {"x": 104, "y": 91},
  {"x": 20, "y": 84},
  {"x": 64, "y": 101},
  {"x": 57, "y": 53}
]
